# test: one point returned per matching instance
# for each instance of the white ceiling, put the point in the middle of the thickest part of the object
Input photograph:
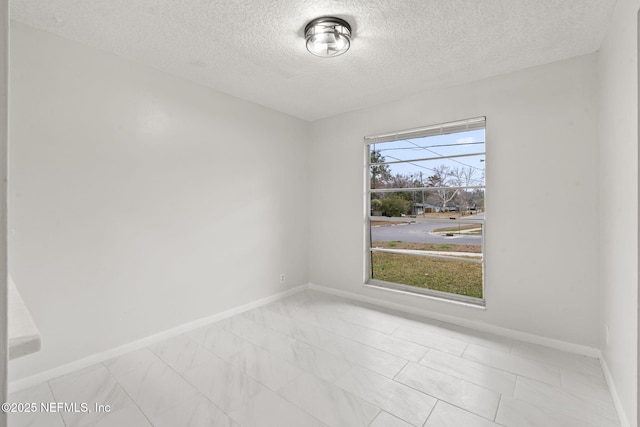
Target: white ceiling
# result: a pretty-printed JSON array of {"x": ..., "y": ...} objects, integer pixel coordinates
[{"x": 254, "y": 49}]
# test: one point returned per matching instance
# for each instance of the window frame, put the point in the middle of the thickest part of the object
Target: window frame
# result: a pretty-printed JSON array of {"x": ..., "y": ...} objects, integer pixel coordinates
[{"x": 456, "y": 127}]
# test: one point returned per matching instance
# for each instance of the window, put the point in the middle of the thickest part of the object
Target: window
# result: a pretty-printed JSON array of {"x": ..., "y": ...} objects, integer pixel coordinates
[{"x": 426, "y": 210}]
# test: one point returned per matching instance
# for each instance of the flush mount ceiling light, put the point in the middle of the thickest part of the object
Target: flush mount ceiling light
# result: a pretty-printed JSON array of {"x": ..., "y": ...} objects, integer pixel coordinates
[{"x": 328, "y": 36}]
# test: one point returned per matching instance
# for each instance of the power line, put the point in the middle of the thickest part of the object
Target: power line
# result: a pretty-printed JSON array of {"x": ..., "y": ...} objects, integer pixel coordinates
[{"x": 438, "y": 154}]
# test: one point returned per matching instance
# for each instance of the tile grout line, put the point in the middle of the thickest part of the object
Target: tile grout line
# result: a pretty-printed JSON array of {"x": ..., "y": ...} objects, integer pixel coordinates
[
  {"x": 467, "y": 411},
  {"x": 431, "y": 412},
  {"x": 465, "y": 349},
  {"x": 423, "y": 345},
  {"x": 498, "y": 408},
  {"x": 56, "y": 400},
  {"x": 401, "y": 369},
  {"x": 127, "y": 393},
  {"x": 376, "y": 417}
]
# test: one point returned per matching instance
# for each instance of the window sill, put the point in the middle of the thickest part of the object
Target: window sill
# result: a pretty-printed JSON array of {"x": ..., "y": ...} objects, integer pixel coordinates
[{"x": 470, "y": 302}]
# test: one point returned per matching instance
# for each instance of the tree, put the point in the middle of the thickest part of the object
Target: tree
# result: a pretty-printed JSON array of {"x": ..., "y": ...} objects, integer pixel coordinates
[
  {"x": 401, "y": 180},
  {"x": 476, "y": 199},
  {"x": 380, "y": 174},
  {"x": 464, "y": 177},
  {"x": 442, "y": 179},
  {"x": 395, "y": 206}
]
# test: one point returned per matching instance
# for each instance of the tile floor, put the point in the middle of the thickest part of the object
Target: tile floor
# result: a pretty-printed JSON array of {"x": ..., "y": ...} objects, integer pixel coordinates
[{"x": 314, "y": 359}]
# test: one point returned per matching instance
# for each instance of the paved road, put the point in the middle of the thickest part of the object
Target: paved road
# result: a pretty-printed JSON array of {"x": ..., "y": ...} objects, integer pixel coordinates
[{"x": 419, "y": 232}]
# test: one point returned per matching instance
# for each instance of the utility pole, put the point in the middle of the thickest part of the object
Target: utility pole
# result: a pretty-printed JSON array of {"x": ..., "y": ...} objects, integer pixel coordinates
[{"x": 422, "y": 185}]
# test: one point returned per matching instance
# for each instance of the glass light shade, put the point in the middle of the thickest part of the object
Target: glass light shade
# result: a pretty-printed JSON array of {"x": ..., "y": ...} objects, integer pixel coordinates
[{"x": 328, "y": 36}]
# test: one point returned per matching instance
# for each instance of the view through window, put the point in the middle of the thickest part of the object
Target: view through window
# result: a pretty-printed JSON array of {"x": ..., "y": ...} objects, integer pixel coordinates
[{"x": 427, "y": 209}]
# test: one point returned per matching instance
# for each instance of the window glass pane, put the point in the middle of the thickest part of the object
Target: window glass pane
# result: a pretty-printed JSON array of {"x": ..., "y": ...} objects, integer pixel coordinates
[
  {"x": 463, "y": 143},
  {"x": 455, "y": 160},
  {"x": 427, "y": 258}
]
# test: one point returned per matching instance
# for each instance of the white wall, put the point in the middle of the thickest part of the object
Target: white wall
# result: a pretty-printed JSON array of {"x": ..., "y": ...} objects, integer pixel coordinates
[
  {"x": 140, "y": 201},
  {"x": 4, "y": 86},
  {"x": 542, "y": 200},
  {"x": 618, "y": 174}
]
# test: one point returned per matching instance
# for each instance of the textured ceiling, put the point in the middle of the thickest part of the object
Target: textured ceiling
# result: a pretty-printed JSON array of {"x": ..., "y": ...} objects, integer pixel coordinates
[{"x": 254, "y": 49}]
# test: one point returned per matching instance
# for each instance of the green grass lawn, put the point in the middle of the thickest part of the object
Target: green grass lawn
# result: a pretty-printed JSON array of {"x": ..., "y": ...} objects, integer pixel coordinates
[{"x": 457, "y": 277}]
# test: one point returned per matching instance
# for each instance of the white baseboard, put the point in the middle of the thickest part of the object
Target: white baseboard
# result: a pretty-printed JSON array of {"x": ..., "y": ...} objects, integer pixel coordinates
[
  {"x": 47, "y": 375},
  {"x": 624, "y": 421},
  {"x": 479, "y": 326}
]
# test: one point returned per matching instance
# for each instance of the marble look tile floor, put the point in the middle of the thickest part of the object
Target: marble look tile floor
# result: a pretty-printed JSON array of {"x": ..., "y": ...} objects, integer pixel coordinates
[{"x": 314, "y": 359}]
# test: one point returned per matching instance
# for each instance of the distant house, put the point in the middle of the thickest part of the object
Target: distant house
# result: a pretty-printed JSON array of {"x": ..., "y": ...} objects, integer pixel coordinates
[{"x": 422, "y": 208}]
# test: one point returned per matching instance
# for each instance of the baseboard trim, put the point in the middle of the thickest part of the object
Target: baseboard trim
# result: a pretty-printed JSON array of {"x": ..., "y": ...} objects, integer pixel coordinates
[
  {"x": 50, "y": 374},
  {"x": 478, "y": 326},
  {"x": 624, "y": 421}
]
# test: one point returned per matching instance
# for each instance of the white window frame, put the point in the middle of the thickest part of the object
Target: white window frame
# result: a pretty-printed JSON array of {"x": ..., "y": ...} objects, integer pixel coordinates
[{"x": 439, "y": 129}]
